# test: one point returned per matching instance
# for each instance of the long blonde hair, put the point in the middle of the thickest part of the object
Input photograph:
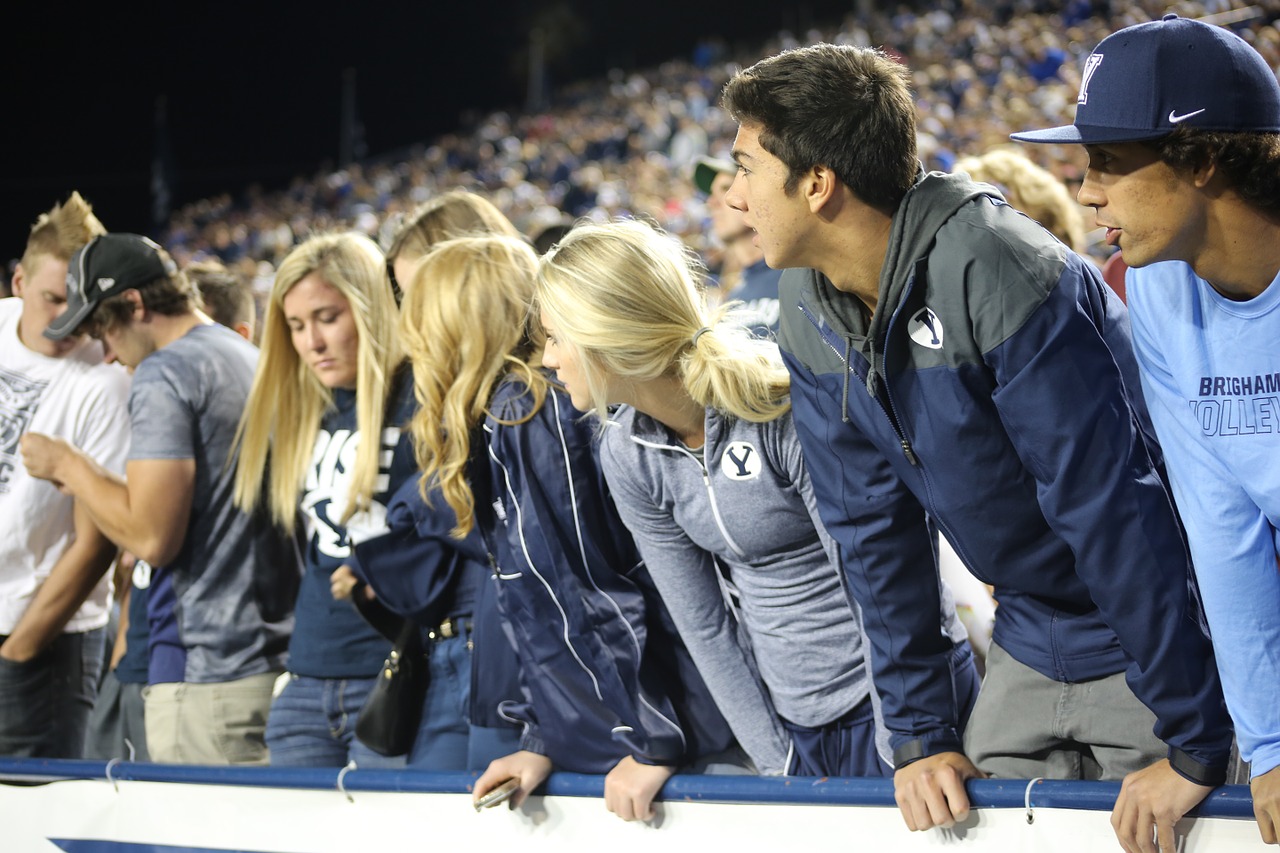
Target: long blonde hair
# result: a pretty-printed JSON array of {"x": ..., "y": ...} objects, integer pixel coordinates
[
  {"x": 626, "y": 299},
  {"x": 287, "y": 400},
  {"x": 465, "y": 324}
]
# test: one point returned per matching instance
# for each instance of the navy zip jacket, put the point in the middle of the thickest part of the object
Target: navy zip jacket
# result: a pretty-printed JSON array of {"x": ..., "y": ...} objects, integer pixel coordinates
[
  {"x": 603, "y": 668},
  {"x": 995, "y": 392},
  {"x": 422, "y": 573}
]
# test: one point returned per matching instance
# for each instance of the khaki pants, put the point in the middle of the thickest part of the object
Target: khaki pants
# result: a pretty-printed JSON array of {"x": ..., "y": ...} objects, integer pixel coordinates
[
  {"x": 222, "y": 723},
  {"x": 1027, "y": 726}
]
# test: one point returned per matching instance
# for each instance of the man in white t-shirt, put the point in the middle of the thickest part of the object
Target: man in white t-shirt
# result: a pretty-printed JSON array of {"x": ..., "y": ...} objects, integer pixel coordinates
[{"x": 54, "y": 590}]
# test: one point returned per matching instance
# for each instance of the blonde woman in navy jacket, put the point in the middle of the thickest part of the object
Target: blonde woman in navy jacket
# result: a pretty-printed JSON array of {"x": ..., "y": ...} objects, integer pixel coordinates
[
  {"x": 706, "y": 469},
  {"x": 608, "y": 687}
]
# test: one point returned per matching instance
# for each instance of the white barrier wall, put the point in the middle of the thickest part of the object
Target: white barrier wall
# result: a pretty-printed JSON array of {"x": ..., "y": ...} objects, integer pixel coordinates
[{"x": 134, "y": 816}]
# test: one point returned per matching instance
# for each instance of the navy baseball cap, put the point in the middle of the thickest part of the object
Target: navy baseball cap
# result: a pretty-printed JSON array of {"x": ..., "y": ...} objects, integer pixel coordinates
[
  {"x": 105, "y": 266},
  {"x": 1145, "y": 81}
]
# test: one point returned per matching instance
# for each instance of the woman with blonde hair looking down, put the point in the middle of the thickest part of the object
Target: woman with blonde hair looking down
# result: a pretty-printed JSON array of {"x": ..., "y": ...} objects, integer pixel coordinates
[
  {"x": 609, "y": 688},
  {"x": 705, "y": 467},
  {"x": 322, "y": 437}
]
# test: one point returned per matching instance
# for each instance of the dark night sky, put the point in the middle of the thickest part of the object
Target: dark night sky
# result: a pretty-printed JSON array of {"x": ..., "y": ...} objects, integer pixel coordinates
[{"x": 253, "y": 91}]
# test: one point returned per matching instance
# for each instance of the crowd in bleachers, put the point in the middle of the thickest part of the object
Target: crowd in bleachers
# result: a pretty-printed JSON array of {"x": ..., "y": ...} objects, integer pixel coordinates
[
  {"x": 391, "y": 298},
  {"x": 624, "y": 144}
]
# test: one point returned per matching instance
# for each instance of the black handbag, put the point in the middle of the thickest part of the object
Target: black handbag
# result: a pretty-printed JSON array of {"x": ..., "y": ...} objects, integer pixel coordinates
[{"x": 389, "y": 720}]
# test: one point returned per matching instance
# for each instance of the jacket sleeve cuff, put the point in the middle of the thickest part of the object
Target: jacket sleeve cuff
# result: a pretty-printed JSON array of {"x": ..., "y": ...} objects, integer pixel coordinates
[
  {"x": 531, "y": 741},
  {"x": 1210, "y": 775},
  {"x": 931, "y": 743}
]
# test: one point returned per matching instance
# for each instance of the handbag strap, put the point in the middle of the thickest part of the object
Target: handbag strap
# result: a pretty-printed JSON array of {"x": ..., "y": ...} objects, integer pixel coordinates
[{"x": 386, "y": 622}]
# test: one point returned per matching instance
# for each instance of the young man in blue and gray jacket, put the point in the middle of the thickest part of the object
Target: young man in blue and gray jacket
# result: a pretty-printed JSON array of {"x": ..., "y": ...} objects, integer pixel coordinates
[{"x": 955, "y": 365}]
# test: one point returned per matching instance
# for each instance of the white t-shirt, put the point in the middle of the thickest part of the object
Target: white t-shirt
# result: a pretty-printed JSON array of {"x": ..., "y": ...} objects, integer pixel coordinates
[{"x": 77, "y": 398}]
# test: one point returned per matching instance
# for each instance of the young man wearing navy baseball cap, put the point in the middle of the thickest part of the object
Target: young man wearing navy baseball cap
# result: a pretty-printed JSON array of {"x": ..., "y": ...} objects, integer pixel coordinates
[
  {"x": 1181, "y": 122},
  {"x": 223, "y": 582}
]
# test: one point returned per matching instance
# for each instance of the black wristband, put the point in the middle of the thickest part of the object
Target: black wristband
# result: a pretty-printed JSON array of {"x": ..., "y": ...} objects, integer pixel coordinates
[
  {"x": 912, "y": 750},
  {"x": 1194, "y": 771}
]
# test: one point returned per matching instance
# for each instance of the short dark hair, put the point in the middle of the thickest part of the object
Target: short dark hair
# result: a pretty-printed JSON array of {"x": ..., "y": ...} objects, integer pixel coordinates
[
  {"x": 847, "y": 108},
  {"x": 1250, "y": 161},
  {"x": 226, "y": 294}
]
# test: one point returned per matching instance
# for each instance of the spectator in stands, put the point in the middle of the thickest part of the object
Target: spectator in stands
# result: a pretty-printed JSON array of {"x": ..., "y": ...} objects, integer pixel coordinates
[
  {"x": 610, "y": 690},
  {"x": 548, "y": 235},
  {"x": 323, "y": 420},
  {"x": 953, "y": 363},
  {"x": 220, "y": 607},
  {"x": 226, "y": 297},
  {"x": 699, "y": 452},
  {"x": 452, "y": 214},
  {"x": 1181, "y": 122},
  {"x": 55, "y": 595},
  {"x": 755, "y": 284},
  {"x": 1031, "y": 189},
  {"x": 117, "y": 728},
  {"x": 449, "y": 215}
]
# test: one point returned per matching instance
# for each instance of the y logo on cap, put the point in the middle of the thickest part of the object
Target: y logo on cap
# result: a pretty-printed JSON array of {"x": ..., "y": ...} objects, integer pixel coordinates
[
  {"x": 1174, "y": 118},
  {"x": 106, "y": 283},
  {"x": 1090, "y": 66},
  {"x": 740, "y": 461},
  {"x": 926, "y": 329}
]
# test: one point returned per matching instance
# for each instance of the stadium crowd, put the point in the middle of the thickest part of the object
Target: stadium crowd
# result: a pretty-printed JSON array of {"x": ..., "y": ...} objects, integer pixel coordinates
[{"x": 645, "y": 528}]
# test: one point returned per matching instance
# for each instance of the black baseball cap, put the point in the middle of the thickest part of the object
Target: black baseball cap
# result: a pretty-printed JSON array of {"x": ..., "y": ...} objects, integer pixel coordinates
[
  {"x": 1145, "y": 81},
  {"x": 105, "y": 266}
]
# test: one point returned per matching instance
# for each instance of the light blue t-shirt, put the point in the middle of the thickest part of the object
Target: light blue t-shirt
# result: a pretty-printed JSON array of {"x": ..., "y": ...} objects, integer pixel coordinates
[
  {"x": 223, "y": 609},
  {"x": 1211, "y": 375}
]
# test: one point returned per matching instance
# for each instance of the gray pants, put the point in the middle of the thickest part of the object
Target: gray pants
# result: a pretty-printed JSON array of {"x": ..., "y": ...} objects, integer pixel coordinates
[
  {"x": 1026, "y": 726},
  {"x": 116, "y": 728}
]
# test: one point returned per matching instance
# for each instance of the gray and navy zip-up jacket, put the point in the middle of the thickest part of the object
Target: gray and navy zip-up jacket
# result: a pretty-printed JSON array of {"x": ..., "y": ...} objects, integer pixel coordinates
[
  {"x": 783, "y": 638},
  {"x": 602, "y": 664},
  {"x": 995, "y": 392}
]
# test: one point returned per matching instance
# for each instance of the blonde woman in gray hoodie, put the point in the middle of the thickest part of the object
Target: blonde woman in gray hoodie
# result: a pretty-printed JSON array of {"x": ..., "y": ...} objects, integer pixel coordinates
[{"x": 703, "y": 462}]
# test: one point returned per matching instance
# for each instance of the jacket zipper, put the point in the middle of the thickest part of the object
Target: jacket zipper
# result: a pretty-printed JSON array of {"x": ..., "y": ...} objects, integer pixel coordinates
[
  {"x": 872, "y": 384},
  {"x": 706, "y": 482},
  {"x": 715, "y": 511}
]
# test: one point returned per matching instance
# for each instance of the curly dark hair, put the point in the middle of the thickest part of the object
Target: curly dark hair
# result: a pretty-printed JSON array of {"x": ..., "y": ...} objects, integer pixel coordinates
[{"x": 1250, "y": 161}]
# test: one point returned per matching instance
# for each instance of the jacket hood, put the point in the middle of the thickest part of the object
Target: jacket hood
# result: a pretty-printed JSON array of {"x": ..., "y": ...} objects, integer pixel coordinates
[
  {"x": 928, "y": 205},
  {"x": 933, "y": 200}
]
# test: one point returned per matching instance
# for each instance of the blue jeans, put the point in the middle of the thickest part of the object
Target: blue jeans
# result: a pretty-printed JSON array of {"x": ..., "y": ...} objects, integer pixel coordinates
[
  {"x": 313, "y": 724},
  {"x": 45, "y": 702},
  {"x": 444, "y": 735}
]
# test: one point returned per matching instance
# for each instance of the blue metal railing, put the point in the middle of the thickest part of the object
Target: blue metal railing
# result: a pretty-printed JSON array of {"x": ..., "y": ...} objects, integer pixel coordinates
[{"x": 1228, "y": 801}]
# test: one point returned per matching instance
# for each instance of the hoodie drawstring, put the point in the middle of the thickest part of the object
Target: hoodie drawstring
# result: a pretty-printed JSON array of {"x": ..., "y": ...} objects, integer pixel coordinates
[
  {"x": 872, "y": 375},
  {"x": 844, "y": 399}
]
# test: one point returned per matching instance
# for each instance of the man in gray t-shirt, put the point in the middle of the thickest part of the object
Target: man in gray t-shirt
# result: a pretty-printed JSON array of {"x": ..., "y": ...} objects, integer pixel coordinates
[{"x": 223, "y": 586}]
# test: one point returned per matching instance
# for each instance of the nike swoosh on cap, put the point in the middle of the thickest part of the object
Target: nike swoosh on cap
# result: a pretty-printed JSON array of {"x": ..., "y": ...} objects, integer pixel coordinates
[{"x": 1174, "y": 118}]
